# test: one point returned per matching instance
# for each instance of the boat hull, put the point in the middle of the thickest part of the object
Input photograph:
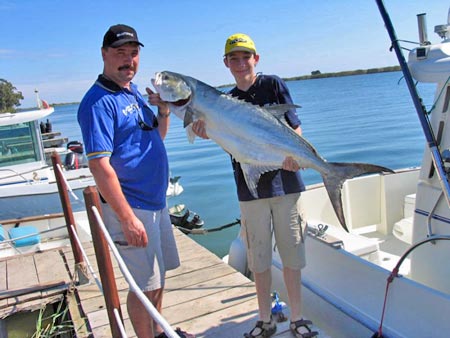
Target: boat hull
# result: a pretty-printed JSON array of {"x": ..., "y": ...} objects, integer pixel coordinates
[
  {"x": 345, "y": 278},
  {"x": 355, "y": 287}
]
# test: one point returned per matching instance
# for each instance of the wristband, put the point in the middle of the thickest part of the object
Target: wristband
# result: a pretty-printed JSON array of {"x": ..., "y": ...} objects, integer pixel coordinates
[{"x": 164, "y": 115}]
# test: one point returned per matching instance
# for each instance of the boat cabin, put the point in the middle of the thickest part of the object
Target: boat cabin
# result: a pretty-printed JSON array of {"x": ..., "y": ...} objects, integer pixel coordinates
[{"x": 20, "y": 139}]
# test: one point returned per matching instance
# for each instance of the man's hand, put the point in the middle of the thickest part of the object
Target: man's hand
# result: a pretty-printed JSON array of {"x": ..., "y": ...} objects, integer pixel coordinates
[
  {"x": 134, "y": 232},
  {"x": 155, "y": 100}
]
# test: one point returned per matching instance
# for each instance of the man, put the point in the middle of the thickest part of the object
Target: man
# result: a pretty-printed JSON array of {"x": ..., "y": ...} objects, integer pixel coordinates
[
  {"x": 275, "y": 209},
  {"x": 127, "y": 157}
]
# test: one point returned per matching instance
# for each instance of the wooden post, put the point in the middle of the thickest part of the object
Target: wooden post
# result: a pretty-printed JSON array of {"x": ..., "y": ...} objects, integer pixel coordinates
[
  {"x": 105, "y": 268},
  {"x": 80, "y": 266}
]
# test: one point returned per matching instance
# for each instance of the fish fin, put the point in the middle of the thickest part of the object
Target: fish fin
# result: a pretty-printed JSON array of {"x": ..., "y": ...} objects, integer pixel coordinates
[
  {"x": 337, "y": 175},
  {"x": 190, "y": 134},
  {"x": 252, "y": 174},
  {"x": 279, "y": 110},
  {"x": 188, "y": 117}
]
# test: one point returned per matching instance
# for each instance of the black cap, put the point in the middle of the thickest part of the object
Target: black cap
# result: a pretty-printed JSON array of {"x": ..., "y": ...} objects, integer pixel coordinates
[{"x": 119, "y": 35}]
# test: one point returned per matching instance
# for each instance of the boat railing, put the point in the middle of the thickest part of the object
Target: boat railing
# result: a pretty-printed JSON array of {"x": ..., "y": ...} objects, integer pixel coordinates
[
  {"x": 15, "y": 173},
  {"x": 13, "y": 240},
  {"x": 103, "y": 244}
]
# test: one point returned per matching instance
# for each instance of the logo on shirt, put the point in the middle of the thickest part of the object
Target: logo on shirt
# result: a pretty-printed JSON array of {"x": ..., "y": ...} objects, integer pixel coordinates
[{"x": 130, "y": 109}]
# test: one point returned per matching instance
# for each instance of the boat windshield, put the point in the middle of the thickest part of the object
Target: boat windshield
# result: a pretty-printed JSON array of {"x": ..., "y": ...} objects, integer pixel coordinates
[{"x": 19, "y": 143}]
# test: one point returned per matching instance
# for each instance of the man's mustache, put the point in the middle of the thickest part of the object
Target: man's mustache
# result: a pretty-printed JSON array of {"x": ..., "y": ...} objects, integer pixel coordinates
[{"x": 124, "y": 67}]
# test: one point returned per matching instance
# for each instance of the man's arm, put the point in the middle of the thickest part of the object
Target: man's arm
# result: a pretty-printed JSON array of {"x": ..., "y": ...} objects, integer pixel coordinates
[{"x": 109, "y": 186}]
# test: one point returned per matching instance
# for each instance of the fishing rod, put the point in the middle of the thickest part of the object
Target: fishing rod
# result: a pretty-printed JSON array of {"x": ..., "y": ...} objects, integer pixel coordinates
[{"x": 421, "y": 112}]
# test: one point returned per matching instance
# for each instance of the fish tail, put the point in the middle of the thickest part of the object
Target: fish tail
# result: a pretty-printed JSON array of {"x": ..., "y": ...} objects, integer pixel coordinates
[{"x": 338, "y": 174}]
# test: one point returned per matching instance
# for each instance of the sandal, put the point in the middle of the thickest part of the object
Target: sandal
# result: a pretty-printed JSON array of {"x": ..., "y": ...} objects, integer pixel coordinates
[
  {"x": 300, "y": 329},
  {"x": 262, "y": 330},
  {"x": 182, "y": 334}
]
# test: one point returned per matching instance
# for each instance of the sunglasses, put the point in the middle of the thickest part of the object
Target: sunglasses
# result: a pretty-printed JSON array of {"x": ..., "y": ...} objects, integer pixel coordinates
[{"x": 145, "y": 126}]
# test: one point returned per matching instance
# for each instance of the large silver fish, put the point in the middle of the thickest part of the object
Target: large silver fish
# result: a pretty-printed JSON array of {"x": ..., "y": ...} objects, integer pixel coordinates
[{"x": 257, "y": 137}]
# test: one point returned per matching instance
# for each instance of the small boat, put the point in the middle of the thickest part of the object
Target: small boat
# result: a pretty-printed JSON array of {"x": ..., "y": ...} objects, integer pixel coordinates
[
  {"x": 24, "y": 171},
  {"x": 27, "y": 181},
  {"x": 390, "y": 275},
  {"x": 39, "y": 233},
  {"x": 28, "y": 185}
]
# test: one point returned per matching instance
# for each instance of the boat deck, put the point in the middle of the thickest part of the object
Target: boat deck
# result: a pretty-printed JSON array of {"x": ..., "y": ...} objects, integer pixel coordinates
[{"x": 203, "y": 296}]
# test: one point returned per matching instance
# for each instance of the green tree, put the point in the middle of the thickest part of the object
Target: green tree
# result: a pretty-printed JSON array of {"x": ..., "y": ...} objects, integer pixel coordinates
[{"x": 9, "y": 97}]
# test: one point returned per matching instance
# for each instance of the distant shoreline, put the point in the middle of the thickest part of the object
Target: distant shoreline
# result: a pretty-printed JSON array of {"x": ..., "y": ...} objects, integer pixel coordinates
[
  {"x": 314, "y": 75},
  {"x": 318, "y": 75}
]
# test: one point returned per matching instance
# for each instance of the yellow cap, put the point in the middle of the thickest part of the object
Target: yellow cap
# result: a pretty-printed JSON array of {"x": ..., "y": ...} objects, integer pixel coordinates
[{"x": 239, "y": 42}]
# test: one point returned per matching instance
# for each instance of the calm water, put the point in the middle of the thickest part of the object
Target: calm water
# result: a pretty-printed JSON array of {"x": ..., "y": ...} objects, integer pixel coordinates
[{"x": 365, "y": 118}]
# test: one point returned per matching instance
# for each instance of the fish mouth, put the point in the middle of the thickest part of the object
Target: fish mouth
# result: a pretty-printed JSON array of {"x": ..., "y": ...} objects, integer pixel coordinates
[
  {"x": 157, "y": 83},
  {"x": 181, "y": 102}
]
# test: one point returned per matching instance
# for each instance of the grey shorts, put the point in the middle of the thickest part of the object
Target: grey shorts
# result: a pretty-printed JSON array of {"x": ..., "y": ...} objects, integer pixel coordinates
[
  {"x": 282, "y": 215},
  {"x": 147, "y": 265}
]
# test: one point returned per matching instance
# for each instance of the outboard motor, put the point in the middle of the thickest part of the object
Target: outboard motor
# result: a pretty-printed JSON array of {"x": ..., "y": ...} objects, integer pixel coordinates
[
  {"x": 187, "y": 221},
  {"x": 75, "y": 159}
]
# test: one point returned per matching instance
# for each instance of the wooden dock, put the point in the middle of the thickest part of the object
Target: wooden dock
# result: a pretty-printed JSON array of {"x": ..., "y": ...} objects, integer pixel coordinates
[{"x": 203, "y": 296}]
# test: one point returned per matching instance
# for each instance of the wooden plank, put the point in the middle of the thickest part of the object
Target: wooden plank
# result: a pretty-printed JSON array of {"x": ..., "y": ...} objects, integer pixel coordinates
[
  {"x": 3, "y": 283},
  {"x": 104, "y": 331},
  {"x": 12, "y": 293},
  {"x": 197, "y": 276},
  {"x": 31, "y": 218},
  {"x": 30, "y": 305},
  {"x": 225, "y": 323},
  {"x": 21, "y": 273},
  {"x": 204, "y": 288},
  {"x": 50, "y": 267},
  {"x": 25, "y": 289},
  {"x": 202, "y": 306}
]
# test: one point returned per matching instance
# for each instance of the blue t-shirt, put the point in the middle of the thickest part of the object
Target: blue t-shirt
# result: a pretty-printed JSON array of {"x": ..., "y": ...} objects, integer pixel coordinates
[
  {"x": 118, "y": 123},
  {"x": 268, "y": 89}
]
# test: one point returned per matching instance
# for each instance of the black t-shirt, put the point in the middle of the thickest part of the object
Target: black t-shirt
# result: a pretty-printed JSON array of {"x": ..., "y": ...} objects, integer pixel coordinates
[{"x": 268, "y": 89}]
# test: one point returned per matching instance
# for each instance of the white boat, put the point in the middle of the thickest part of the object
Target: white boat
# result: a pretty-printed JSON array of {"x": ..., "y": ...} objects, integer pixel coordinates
[
  {"x": 397, "y": 251},
  {"x": 28, "y": 188},
  {"x": 39, "y": 233},
  {"x": 23, "y": 168},
  {"x": 25, "y": 173}
]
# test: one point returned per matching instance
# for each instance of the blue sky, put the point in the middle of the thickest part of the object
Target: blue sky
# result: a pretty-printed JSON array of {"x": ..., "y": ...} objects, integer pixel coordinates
[{"x": 54, "y": 46}]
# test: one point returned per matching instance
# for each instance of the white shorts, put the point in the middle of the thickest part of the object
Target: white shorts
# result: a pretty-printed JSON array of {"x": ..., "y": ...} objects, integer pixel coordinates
[
  {"x": 147, "y": 265},
  {"x": 281, "y": 214}
]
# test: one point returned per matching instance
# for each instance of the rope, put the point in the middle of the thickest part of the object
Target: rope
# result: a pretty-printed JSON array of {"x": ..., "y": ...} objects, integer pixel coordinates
[
  {"x": 205, "y": 231},
  {"x": 86, "y": 258}
]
